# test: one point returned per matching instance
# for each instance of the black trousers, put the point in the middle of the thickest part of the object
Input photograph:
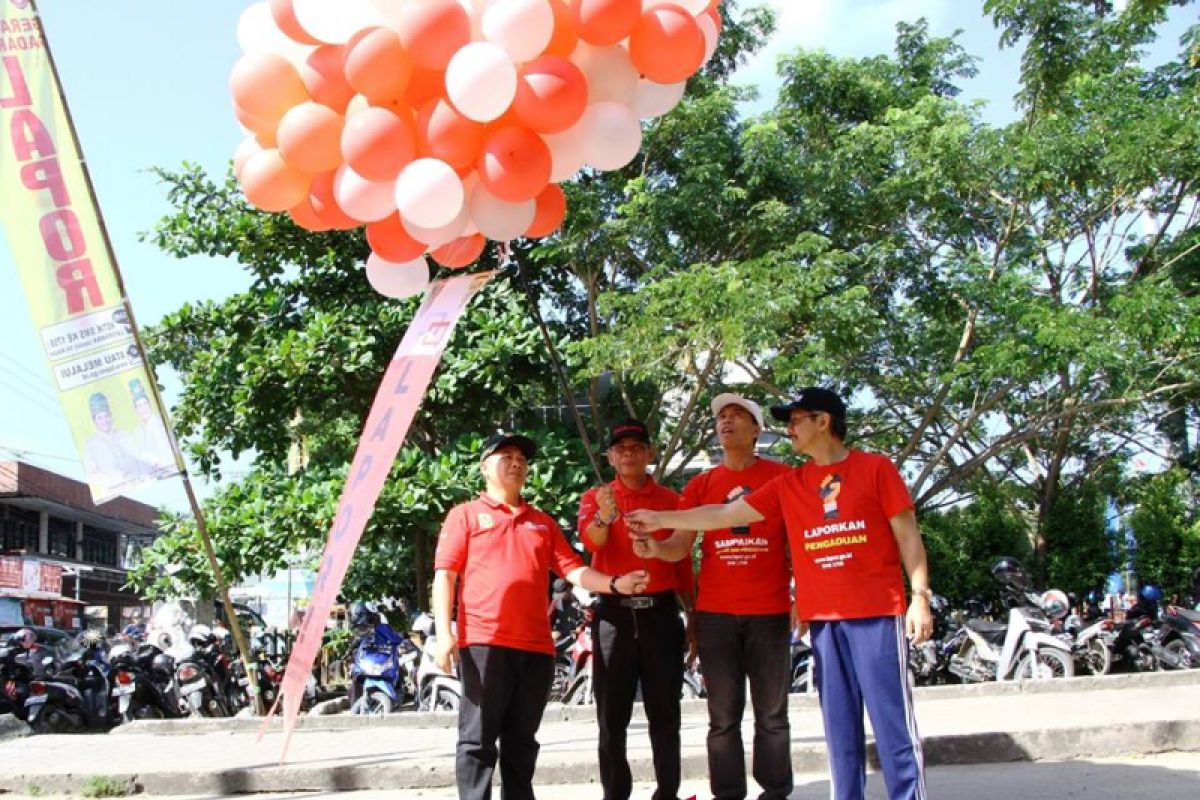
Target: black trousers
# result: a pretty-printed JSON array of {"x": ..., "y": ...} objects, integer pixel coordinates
[
  {"x": 643, "y": 645},
  {"x": 732, "y": 649},
  {"x": 504, "y": 695}
]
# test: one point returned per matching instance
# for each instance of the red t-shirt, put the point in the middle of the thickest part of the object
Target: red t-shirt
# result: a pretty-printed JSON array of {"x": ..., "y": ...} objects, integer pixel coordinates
[
  {"x": 503, "y": 557},
  {"x": 743, "y": 570},
  {"x": 616, "y": 557},
  {"x": 844, "y": 554}
]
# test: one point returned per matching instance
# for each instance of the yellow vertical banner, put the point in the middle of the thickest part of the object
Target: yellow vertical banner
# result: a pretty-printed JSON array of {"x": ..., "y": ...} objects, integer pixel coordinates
[{"x": 75, "y": 297}]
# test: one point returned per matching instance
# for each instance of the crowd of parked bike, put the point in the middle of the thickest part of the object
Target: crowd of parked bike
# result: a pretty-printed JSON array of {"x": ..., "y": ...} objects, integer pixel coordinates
[{"x": 174, "y": 668}]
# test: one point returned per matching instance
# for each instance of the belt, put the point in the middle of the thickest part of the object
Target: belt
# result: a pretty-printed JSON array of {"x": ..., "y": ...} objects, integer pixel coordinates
[{"x": 638, "y": 602}]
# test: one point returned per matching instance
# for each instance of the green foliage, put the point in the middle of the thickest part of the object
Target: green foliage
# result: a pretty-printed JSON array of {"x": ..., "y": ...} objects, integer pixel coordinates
[
  {"x": 964, "y": 542},
  {"x": 103, "y": 786},
  {"x": 1166, "y": 522},
  {"x": 1078, "y": 553}
]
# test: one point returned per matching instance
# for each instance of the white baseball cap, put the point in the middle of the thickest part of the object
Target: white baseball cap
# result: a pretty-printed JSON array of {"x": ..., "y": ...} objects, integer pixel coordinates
[{"x": 730, "y": 399}]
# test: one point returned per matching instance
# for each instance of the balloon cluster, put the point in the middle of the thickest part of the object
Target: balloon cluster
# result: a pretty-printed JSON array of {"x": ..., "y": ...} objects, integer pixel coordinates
[{"x": 440, "y": 124}]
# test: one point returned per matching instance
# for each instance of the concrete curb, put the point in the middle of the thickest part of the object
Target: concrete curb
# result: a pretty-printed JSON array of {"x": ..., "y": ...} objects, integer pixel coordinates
[
  {"x": 1056, "y": 743},
  {"x": 332, "y": 721}
]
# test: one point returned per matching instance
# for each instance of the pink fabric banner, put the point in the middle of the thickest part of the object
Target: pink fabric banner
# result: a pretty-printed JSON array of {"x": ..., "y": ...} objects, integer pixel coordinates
[{"x": 395, "y": 406}]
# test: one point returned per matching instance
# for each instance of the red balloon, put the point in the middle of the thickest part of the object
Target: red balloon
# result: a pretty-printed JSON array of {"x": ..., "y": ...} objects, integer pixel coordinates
[
  {"x": 667, "y": 45},
  {"x": 306, "y": 217},
  {"x": 323, "y": 76},
  {"x": 326, "y": 206},
  {"x": 377, "y": 143},
  {"x": 514, "y": 164},
  {"x": 552, "y": 94},
  {"x": 266, "y": 85},
  {"x": 309, "y": 137},
  {"x": 270, "y": 184},
  {"x": 462, "y": 252},
  {"x": 445, "y": 134},
  {"x": 551, "y": 210},
  {"x": 378, "y": 65},
  {"x": 425, "y": 85},
  {"x": 391, "y": 242},
  {"x": 433, "y": 30},
  {"x": 285, "y": 19},
  {"x": 564, "y": 38},
  {"x": 605, "y": 22}
]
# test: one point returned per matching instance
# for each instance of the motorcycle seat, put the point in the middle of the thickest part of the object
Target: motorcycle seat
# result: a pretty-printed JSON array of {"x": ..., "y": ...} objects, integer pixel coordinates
[{"x": 993, "y": 632}]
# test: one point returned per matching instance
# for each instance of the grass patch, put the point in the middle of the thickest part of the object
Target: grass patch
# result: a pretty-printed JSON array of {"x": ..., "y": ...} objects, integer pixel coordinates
[
  {"x": 35, "y": 790},
  {"x": 101, "y": 786}
]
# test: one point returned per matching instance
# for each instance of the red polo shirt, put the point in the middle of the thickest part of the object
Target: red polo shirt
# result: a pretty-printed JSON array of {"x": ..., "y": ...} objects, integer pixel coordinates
[
  {"x": 616, "y": 557},
  {"x": 743, "y": 570},
  {"x": 844, "y": 553},
  {"x": 503, "y": 557}
]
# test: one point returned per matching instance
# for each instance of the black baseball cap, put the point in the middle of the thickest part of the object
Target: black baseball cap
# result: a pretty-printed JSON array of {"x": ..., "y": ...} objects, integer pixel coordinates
[
  {"x": 629, "y": 428},
  {"x": 527, "y": 446},
  {"x": 811, "y": 398}
]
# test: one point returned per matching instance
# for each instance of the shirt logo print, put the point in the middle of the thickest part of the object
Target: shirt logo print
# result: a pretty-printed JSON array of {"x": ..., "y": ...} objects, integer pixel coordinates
[
  {"x": 485, "y": 521},
  {"x": 829, "y": 490}
]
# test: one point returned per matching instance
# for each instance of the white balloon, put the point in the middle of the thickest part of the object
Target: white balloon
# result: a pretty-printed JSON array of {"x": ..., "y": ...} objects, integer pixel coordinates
[
  {"x": 614, "y": 135},
  {"x": 711, "y": 35},
  {"x": 610, "y": 72},
  {"x": 436, "y": 237},
  {"x": 499, "y": 220},
  {"x": 366, "y": 201},
  {"x": 474, "y": 9},
  {"x": 522, "y": 27},
  {"x": 481, "y": 81},
  {"x": 568, "y": 151},
  {"x": 335, "y": 23},
  {"x": 652, "y": 99},
  {"x": 693, "y": 7},
  {"x": 429, "y": 193},
  {"x": 258, "y": 33},
  {"x": 397, "y": 280}
]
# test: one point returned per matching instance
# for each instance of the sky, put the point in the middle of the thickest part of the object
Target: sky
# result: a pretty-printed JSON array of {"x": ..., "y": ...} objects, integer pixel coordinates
[{"x": 146, "y": 83}]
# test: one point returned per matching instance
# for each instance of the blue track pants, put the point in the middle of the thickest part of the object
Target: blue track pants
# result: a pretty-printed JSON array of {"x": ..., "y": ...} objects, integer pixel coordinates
[{"x": 865, "y": 661}]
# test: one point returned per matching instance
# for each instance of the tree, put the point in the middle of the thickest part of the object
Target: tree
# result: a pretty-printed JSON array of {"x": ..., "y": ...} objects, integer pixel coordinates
[{"x": 1166, "y": 524}]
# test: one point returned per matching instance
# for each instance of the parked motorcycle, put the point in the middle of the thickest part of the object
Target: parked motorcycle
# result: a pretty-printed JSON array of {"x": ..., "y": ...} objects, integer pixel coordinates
[
  {"x": 437, "y": 690},
  {"x": 143, "y": 682},
  {"x": 1024, "y": 648},
  {"x": 379, "y": 671},
  {"x": 21, "y": 660},
  {"x": 76, "y": 698}
]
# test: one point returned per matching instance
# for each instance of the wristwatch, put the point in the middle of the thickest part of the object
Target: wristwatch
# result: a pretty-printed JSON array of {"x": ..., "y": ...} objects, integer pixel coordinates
[
  {"x": 612, "y": 585},
  {"x": 927, "y": 593},
  {"x": 600, "y": 522}
]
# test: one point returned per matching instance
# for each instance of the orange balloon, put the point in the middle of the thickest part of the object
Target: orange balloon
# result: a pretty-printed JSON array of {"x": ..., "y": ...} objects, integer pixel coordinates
[
  {"x": 324, "y": 77},
  {"x": 377, "y": 143},
  {"x": 564, "y": 38},
  {"x": 445, "y": 134},
  {"x": 326, "y": 206},
  {"x": 552, "y": 94},
  {"x": 425, "y": 85},
  {"x": 304, "y": 215},
  {"x": 462, "y": 252},
  {"x": 551, "y": 211},
  {"x": 270, "y": 184},
  {"x": 285, "y": 19},
  {"x": 432, "y": 31},
  {"x": 514, "y": 165},
  {"x": 605, "y": 22},
  {"x": 266, "y": 85},
  {"x": 667, "y": 45},
  {"x": 248, "y": 147},
  {"x": 310, "y": 138},
  {"x": 378, "y": 66},
  {"x": 391, "y": 242},
  {"x": 262, "y": 128}
]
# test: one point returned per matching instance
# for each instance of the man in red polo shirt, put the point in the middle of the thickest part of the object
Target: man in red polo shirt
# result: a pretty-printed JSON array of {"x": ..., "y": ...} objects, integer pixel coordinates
[
  {"x": 851, "y": 525},
  {"x": 635, "y": 638},
  {"x": 495, "y": 555},
  {"x": 743, "y": 619}
]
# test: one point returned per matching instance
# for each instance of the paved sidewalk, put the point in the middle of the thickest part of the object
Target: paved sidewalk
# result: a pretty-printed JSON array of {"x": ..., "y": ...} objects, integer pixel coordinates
[{"x": 1083, "y": 717}]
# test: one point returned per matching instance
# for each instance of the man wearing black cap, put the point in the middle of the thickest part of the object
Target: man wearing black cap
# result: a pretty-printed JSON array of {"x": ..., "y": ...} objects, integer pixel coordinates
[
  {"x": 495, "y": 555},
  {"x": 635, "y": 638},
  {"x": 851, "y": 524}
]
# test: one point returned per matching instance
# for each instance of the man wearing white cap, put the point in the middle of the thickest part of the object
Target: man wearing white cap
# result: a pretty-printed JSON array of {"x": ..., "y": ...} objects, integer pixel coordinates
[{"x": 742, "y": 611}]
